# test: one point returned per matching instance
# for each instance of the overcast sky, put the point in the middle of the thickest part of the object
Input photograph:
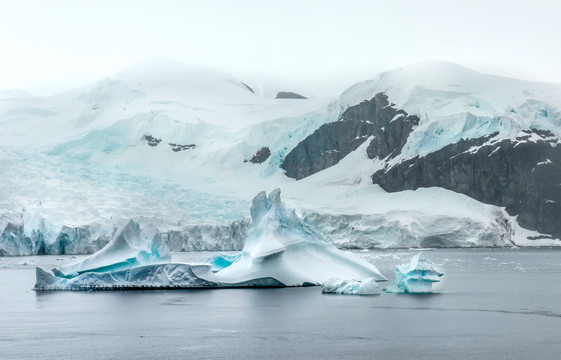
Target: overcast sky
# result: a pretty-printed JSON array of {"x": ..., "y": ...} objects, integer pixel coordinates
[{"x": 315, "y": 47}]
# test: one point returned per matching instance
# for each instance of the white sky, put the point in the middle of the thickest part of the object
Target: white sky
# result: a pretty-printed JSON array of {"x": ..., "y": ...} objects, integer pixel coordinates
[{"x": 316, "y": 48}]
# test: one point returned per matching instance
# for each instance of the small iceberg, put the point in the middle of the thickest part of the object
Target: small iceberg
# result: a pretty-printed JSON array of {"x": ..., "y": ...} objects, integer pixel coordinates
[
  {"x": 351, "y": 287},
  {"x": 126, "y": 250},
  {"x": 416, "y": 277},
  {"x": 281, "y": 250}
]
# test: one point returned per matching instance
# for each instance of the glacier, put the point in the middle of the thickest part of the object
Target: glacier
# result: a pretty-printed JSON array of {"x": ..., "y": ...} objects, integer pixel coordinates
[
  {"x": 67, "y": 193},
  {"x": 282, "y": 250},
  {"x": 417, "y": 277},
  {"x": 351, "y": 287}
]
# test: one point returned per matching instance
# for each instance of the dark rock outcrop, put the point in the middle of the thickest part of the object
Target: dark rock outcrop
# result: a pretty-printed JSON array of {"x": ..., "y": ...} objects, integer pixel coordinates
[
  {"x": 179, "y": 147},
  {"x": 333, "y": 141},
  {"x": 522, "y": 174},
  {"x": 248, "y": 88},
  {"x": 260, "y": 156},
  {"x": 390, "y": 139},
  {"x": 325, "y": 147},
  {"x": 289, "y": 95},
  {"x": 152, "y": 141}
]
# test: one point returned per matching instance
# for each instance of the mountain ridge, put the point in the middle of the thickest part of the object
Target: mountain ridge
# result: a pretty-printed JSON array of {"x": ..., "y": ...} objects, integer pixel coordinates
[{"x": 96, "y": 148}]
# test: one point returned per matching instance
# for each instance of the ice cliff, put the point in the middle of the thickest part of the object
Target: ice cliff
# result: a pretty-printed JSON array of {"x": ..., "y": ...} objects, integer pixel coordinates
[{"x": 282, "y": 250}]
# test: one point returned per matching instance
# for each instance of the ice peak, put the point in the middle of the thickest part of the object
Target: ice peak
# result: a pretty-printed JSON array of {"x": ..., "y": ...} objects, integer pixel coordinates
[
  {"x": 261, "y": 204},
  {"x": 127, "y": 249},
  {"x": 275, "y": 226},
  {"x": 285, "y": 247}
]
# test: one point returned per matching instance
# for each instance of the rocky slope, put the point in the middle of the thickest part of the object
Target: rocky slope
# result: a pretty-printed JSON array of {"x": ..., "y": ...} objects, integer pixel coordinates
[
  {"x": 493, "y": 139},
  {"x": 522, "y": 174},
  {"x": 375, "y": 118}
]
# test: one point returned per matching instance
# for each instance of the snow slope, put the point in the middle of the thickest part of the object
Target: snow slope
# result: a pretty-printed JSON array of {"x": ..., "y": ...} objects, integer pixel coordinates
[
  {"x": 453, "y": 102},
  {"x": 81, "y": 159}
]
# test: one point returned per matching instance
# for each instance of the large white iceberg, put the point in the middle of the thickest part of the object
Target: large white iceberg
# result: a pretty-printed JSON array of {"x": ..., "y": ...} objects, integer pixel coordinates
[
  {"x": 351, "y": 287},
  {"x": 416, "y": 277},
  {"x": 282, "y": 250}
]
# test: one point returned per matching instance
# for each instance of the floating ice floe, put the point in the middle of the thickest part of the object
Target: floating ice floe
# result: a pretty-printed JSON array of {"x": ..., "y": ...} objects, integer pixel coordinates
[
  {"x": 415, "y": 277},
  {"x": 351, "y": 287},
  {"x": 282, "y": 250}
]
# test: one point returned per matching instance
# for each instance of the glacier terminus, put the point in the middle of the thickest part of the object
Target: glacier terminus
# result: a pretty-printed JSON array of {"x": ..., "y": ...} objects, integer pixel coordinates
[{"x": 282, "y": 250}]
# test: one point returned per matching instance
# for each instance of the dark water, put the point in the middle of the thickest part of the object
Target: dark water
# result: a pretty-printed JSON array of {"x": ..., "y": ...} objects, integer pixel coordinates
[{"x": 492, "y": 304}]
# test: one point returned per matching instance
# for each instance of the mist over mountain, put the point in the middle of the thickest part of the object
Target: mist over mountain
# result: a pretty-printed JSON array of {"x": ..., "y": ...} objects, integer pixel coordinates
[{"x": 431, "y": 154}]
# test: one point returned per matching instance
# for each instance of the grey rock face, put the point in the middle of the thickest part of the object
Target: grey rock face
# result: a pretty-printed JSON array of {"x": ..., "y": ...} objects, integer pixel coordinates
[
  {"x": 179, "y": 147},
  {"x": 392, "y": 125},
  {"x": 390, "y": 139},
  {"x": 333, "y": 141},
  {"x": 522, "y": 174},
  {"x": 260, "y": 156},
  {"x": 248, "y": 88},
  {"x": 152, "y": 141},
  {"x": 289, "y": 95},
  {"x": 377, "y": 111},
  {"x": 325, "y": 147}
]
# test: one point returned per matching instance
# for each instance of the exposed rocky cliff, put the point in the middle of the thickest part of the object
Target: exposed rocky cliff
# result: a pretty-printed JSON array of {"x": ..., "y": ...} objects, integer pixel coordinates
[
  {"x": 260, "y": 156},
  {"x": 377, "y": 117},
  {"x": 522, "y": 174}
]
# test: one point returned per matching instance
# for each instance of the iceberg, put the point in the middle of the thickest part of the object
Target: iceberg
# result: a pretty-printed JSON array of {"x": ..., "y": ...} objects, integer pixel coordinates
[
  {"x": 351, "y": 287},
  {"x": 281, "y": 250},
  {"x": 126, "y": 250},
  {"x": 284, "y": 247},
  {"x": 162, "y": 276},
  {"x": 416, "y": 277}
]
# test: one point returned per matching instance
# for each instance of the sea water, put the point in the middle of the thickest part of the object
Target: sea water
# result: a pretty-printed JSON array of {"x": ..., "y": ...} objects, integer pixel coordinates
[{"x": 491, "y": 303}]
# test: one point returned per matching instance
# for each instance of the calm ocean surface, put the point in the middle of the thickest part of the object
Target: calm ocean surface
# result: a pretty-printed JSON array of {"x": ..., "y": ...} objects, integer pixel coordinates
[{"x": 492, "y": 304}]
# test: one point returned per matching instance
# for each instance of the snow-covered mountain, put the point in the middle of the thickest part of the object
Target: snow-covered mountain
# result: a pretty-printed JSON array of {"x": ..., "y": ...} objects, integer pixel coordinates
[
  {"x": 183, "y": 150},
  {"x": 493, "y": 139}
]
